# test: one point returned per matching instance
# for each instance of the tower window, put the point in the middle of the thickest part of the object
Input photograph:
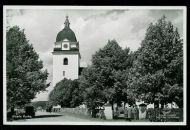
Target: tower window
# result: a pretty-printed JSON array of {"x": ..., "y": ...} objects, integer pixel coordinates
[
  {"x": 65, "y": 61},
  {"x": 63, "y": 73}
]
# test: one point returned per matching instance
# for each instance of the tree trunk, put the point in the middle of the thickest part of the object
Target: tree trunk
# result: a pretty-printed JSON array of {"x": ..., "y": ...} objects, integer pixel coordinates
[
  {"x": 112, "y": 110},
  {"x": 162, "y": 105},
  {"x": 12, "y": 110},
  {"x": 111, "y": 105},
  {"x": 12, "y": 113},
  {"x": 156, "y": 104}
]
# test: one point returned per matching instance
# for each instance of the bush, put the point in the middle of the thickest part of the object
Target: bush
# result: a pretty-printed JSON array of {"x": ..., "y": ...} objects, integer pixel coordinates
[{"x": 157, "y": 115}]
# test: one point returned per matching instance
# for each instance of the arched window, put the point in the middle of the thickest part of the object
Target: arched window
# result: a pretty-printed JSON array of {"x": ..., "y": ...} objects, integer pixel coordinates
[{"x": 65, "y": 61}]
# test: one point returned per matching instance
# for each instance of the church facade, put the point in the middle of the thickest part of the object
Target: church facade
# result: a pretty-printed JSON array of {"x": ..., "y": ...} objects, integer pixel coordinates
[{"x": 66, "y": 55}]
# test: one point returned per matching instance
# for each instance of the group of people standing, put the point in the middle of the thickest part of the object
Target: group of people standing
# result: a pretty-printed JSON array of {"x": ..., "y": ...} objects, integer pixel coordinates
[{"x": 133, "y": 112}]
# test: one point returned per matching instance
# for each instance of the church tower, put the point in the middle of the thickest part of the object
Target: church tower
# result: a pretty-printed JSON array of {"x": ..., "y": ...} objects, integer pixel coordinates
[{"x": 66, "y": 55}]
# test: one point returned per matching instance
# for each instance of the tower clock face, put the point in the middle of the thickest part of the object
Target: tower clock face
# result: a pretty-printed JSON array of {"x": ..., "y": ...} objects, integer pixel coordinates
[{"x": 65, "y": 46}]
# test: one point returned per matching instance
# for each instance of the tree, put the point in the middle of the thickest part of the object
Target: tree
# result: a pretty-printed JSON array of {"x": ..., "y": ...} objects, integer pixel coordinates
[
  {"x": 92, "y": 91},
  {"x": 105, "y": 80},
  {"x": 77, "y": 97},
  {"x": 66, "y": 93},
  {"x": 25, "y": 74},
  {"x": 158, "y": 70}
]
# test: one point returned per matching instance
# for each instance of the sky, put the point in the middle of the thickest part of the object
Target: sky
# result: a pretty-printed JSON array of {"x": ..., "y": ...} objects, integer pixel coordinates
[{"x": 93, "y": 29}]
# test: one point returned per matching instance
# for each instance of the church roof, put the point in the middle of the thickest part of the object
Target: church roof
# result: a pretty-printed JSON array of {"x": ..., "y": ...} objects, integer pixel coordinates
[{"x": 66, "y": 33}]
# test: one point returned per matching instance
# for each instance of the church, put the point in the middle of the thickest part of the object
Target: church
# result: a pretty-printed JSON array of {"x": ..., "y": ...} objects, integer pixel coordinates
[{"x": 66, "y": 55}]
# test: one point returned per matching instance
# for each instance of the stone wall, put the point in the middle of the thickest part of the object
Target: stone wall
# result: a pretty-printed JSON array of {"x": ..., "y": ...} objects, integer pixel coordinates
[{"x": 80, "y": 111}]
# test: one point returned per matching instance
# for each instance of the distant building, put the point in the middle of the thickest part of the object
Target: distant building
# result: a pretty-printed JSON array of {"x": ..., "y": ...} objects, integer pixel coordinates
[{"x": 66, "y": 55}]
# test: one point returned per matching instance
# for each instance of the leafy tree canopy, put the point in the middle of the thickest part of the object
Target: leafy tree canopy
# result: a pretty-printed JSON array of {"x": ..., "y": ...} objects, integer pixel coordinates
[
  {"x": 105, "y": 80},
  {"x": 66, "y": 93},
  {"x": 159, "y": 64},
  {"x": 25, "y": 74}
]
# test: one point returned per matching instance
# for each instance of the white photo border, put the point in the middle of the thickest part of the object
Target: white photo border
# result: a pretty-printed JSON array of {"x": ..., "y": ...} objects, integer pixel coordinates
[{"x": 184, "y": 8}]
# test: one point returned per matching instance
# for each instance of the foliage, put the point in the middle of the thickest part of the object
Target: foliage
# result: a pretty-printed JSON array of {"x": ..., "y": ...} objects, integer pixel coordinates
[
  {"x": 153, "y": 73},
  {"x": 105, "y": 80},
  {"x": 25, "y": 77},
  {"x": 157, "y": 73},
  {"x": 66, "y": 93}
]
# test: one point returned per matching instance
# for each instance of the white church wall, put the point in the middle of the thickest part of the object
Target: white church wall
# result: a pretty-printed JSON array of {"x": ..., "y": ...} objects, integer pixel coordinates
[{"x": 71, "y": 70}]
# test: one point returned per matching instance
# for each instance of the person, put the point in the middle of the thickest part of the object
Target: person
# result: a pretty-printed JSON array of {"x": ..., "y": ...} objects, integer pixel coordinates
[
  {"x": 93, "y": 113},
  {"x": 129, "y": 113},
  {"x": 126, "y": 113},
  {"x": 50, "y": 109},
  {"x": 116, "y": 112},
  {"x": 135, "y": 112},
  {"x": 102, "y": 114}
]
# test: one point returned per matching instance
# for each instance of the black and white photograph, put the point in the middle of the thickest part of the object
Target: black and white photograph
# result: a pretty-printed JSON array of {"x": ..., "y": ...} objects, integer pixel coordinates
[{"x": 94, "y": 65}]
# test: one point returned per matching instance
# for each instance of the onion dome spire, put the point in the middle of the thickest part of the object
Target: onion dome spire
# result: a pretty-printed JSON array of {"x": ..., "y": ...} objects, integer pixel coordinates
[
  {"x": 67, "y": 23},
  {"x": 66, "y": 33}
]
